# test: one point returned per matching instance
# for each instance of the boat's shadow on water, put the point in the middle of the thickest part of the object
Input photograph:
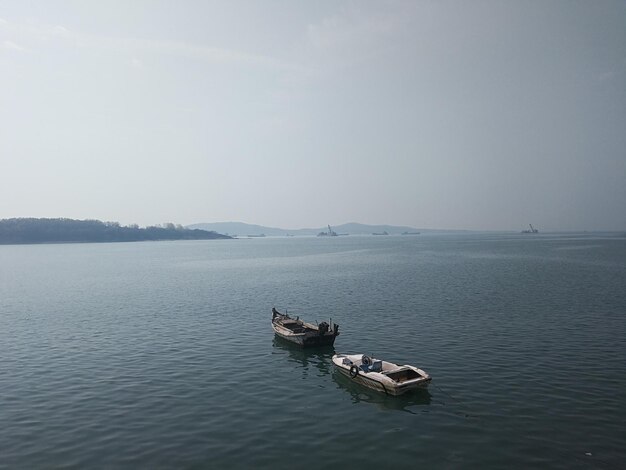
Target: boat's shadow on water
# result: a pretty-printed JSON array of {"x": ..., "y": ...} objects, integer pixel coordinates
[
  {"x": 360, "y": 394},
  {"x": 319, "y": 357}
]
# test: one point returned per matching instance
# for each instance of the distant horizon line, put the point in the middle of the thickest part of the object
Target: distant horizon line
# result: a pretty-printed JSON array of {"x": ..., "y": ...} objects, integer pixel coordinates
[{"x": 521, "y": 230}]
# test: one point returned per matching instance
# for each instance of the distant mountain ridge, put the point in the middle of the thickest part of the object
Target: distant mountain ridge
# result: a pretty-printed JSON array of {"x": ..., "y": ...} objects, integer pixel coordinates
[{"x": 242, "y": 229}]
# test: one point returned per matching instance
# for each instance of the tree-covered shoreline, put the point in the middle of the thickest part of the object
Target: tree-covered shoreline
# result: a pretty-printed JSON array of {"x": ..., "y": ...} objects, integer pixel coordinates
[{"x": 32, "y": 230}]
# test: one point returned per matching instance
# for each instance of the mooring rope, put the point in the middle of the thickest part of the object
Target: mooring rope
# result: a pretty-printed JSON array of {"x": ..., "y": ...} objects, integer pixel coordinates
[{"x": 459, "y": 402}]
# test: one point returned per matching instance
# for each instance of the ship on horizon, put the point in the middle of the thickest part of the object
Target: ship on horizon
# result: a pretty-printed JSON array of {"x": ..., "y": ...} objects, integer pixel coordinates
[
  {"x": 330, "y": 233},
  {"x": 532, "y": 229}
]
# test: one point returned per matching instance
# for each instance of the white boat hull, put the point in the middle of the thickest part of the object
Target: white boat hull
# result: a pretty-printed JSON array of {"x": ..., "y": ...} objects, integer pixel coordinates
[{"x": 391, "y": 379}]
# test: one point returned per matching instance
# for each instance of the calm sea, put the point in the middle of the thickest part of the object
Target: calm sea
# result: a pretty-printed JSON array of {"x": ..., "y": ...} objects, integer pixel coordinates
[{"x": 161, "y": 354}]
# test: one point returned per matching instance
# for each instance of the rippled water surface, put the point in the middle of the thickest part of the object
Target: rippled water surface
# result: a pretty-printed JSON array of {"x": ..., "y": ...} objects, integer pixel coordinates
[{"x": 161, "y": 354}]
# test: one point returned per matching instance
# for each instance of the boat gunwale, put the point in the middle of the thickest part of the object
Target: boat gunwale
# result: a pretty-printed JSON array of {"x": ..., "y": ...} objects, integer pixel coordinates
[{"x": 286, "y": 331}]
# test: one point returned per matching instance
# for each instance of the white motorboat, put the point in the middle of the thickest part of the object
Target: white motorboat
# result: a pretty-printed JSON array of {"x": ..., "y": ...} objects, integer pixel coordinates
[
  {"x": 302, "y": 333},
  {"x": 383, "y": 376}
]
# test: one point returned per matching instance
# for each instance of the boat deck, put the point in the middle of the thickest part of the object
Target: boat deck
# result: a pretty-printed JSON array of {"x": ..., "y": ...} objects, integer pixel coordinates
[
  {"x": 292, "y": 325},
  {"x": 402, "y": 375}
]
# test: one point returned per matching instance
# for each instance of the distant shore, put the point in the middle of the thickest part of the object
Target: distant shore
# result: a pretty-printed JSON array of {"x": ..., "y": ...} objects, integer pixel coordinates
[{"x": 20, "y": 231}]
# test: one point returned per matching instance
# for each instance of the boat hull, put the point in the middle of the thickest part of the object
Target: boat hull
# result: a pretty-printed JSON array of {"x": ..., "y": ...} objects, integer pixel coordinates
[
  {"x": 379, "y": 382},
  {"x": 305, "y": 340}
]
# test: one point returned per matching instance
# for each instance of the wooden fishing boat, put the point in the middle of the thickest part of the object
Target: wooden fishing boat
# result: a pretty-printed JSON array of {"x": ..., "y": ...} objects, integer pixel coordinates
[
  {"x": 383, "y": 376},
  {"x": 302, "y": 333}
]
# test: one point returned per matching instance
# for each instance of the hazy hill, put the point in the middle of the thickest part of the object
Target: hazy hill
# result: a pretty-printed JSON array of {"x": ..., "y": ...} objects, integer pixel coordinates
[
  {"x": 28, "y": 230},
  {"x": 242, "y": 229}
]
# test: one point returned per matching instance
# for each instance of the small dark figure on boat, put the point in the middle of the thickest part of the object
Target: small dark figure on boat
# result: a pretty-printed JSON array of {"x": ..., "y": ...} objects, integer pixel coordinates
[{"x": 323, "y": 328}]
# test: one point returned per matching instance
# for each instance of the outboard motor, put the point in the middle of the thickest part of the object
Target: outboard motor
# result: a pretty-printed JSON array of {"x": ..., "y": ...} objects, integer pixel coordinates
[{"x": 323, "y": 328}]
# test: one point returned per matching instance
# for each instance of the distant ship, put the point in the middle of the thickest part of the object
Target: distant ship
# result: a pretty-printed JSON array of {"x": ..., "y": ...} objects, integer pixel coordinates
[
  {"x": 383, "y": 233},
  {"x": 330, "y": 233},
  {"x": 532, "y": 229},
  {"x": 410, "y": 233},
  {"x": 262, "y": 235}
]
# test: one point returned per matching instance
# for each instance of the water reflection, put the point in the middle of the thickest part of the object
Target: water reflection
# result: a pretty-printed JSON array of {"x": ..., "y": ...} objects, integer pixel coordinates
[
  {"x": 319, "y": 357},
  {"x": 360, "y": 394}
]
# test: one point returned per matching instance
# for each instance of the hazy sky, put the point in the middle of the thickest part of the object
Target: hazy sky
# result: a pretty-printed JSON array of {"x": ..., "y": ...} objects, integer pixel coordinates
[{"x": 434, "y": 114}]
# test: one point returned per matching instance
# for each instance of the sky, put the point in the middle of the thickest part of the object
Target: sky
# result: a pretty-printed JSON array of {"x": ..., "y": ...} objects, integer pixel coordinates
[{"x": 484, "y": 115}]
